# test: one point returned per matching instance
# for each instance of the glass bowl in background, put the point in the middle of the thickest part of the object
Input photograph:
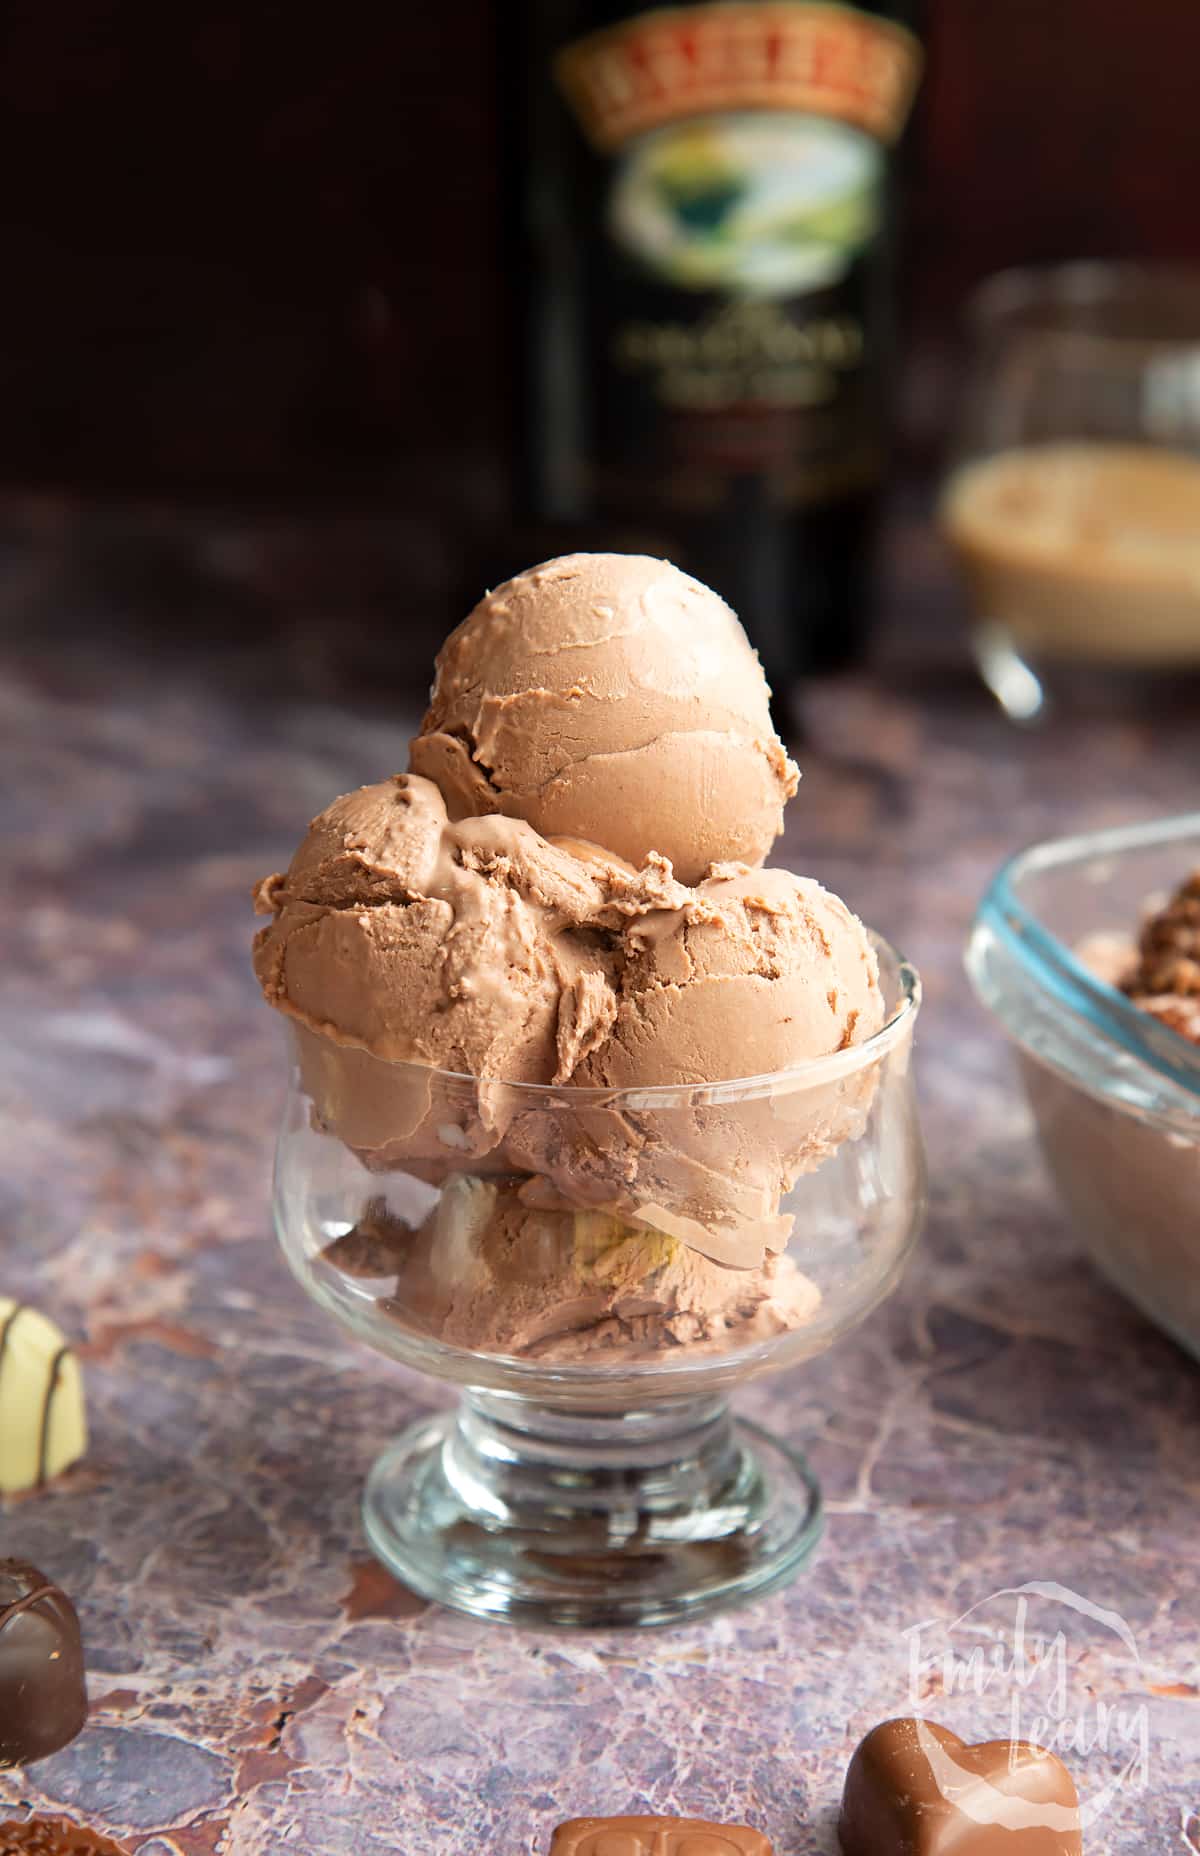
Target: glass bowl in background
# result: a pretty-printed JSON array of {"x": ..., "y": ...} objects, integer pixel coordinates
[
  {"x": 1115, "y": 1094},
  {"x": 1072, "y": 505},
  {"x": 595, "y": 1268}
]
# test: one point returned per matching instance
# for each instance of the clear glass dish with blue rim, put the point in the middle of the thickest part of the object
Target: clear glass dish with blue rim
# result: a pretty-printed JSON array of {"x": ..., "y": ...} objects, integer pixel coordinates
[{"x": 1115, "y": 1093}]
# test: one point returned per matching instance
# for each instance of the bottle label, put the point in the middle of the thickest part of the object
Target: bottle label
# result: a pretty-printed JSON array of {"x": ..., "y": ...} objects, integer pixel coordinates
[
  {"x": 792, "y": 55},
  {"x": 744, "y": 155},
  {"x": 751, "y": 204}
]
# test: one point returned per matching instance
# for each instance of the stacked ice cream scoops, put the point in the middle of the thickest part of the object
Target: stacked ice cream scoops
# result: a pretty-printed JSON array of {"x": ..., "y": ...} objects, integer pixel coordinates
[{"x": 566, "y": 889}]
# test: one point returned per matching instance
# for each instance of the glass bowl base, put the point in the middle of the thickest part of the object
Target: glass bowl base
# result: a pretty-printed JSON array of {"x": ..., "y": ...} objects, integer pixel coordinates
[
  {"x": 507, "y": 1510},
  {"x": 1030, "y": 687}
]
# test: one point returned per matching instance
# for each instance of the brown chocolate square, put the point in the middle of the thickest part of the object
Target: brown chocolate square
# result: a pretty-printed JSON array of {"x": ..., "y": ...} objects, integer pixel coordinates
[
  {"x": 916, "y": 1789},
  {"x": 49, "y": 1836},
  {"x": 656, "y": 1836}
]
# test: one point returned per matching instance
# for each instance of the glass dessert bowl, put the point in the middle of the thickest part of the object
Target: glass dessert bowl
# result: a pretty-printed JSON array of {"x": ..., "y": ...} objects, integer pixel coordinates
[
  {"x": 598, "y": 1269},
  {"x": 1114, "y": 1092},
  {"x": 1072, "y": 504}
]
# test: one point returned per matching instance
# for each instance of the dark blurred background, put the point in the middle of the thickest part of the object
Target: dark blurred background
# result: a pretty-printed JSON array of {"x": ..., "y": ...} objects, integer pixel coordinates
[{"x": 256, "y": 263}]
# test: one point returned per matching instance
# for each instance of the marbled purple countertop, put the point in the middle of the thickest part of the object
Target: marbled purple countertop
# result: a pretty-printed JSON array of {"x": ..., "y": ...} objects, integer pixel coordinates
[{"x": 258, "y": 1686}]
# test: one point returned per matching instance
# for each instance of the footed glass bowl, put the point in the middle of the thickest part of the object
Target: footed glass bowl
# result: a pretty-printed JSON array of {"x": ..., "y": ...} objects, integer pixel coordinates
[{"x": 598, "y": 1269}]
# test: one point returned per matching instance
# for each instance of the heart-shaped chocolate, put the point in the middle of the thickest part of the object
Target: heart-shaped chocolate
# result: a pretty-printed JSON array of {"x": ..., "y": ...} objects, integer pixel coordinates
[
  {"x": 656, "y": 1836},
  {"x": 916, "y": 1789}
]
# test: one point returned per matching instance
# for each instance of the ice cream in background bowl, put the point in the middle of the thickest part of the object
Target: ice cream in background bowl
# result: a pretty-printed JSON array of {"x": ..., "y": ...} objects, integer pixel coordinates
[
  {"x": 1087, "y": 949},
  {"x": 592, "y": 1110}
]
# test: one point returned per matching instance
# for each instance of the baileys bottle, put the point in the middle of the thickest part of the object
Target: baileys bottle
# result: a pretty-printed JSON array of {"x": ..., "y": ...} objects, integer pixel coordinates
[{"x": 706, "y": 232}]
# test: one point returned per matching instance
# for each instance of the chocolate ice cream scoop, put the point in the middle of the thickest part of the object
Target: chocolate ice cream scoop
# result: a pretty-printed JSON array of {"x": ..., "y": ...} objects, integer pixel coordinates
[
  {"x": 610, "y": 697},
  {"x": 400, "y": 933},
  {"x": 474, "y": 948},
  {"x": 43, "y": 1697},
  {"x": 753, "y": 974},
  {"x": 490, "y": 1273}
]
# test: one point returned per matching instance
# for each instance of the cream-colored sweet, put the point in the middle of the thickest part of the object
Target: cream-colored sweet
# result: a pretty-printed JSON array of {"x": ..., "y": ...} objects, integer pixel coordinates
[
  {"x": 612, "y": 698},
  {"x": 43, "y": 1425},
  {"x": 488, "y": 1273}
]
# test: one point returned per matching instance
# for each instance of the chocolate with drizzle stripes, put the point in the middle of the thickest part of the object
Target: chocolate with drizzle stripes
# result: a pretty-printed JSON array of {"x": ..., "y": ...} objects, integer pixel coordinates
[
  {"x": 13, "y": 1317},
  {"x": 42, "y": 1426}
]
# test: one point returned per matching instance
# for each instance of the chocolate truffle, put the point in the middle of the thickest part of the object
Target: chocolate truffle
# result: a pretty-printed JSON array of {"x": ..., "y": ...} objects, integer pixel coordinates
[
  {"x": 43, "y": 1697},
  {"x": 42, "y": 1425},
  {"x": 916, "y": 1789},
  {"x": 656, "y": 1836}
]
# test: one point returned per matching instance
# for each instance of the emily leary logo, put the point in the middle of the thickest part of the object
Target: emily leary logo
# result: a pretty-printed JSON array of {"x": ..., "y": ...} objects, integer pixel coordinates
[
  {"x": 1025, "y": 1648},
  {"x": 677, "y": 62}
]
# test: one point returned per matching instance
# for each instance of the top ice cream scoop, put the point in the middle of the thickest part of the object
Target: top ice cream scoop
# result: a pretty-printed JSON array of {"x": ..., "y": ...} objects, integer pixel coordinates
[{"x": 610, "y": 698}]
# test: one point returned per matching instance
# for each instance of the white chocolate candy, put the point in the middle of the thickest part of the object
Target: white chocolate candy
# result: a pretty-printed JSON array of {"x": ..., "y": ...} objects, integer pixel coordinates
[{"x": 43, "y": 1429}]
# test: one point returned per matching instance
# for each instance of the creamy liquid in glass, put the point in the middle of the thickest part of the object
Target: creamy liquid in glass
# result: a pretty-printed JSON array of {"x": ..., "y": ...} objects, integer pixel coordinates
[{"x": 1085, "y": 550}]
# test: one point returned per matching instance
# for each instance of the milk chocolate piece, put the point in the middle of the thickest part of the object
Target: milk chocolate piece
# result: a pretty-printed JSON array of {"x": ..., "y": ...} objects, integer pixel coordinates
[
  {"x": 656, "y": 1836},
  {"x": 53, "y": 1836},
  {"x": 42, "y": 1424},
  {"x": 916, "y": 1789},
  {"x": 43, "y": 1698}
]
